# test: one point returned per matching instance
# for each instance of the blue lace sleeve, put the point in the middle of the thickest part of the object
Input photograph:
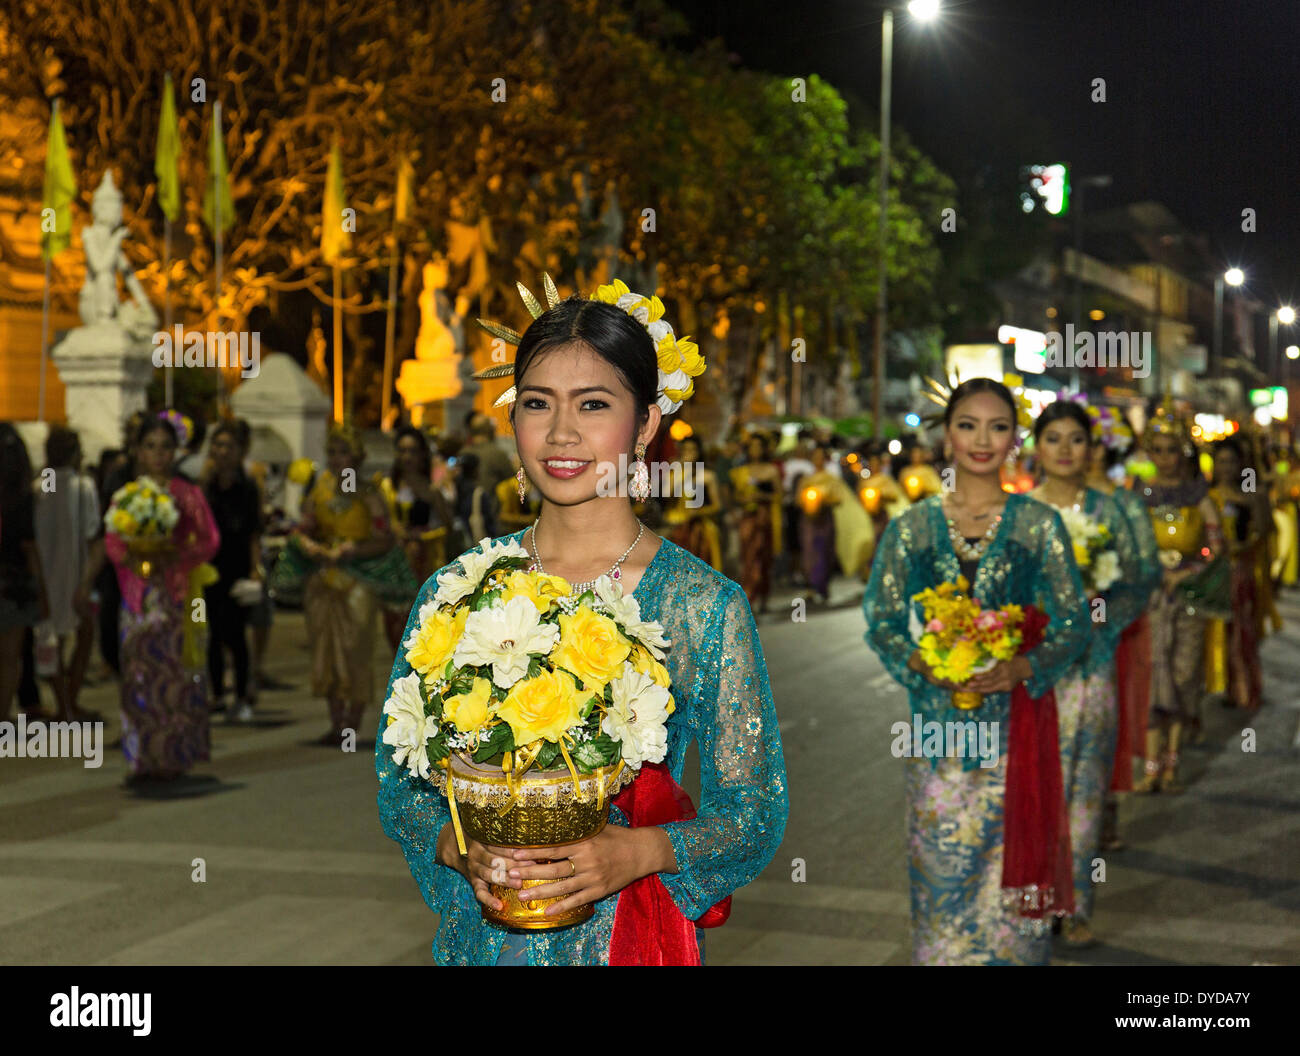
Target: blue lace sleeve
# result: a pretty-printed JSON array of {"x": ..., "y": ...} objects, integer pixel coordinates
[
  {"x": 1128, "y": 596},
  {"x": 743, "y": 800},
  {"x": 1060, "y": 594},
  {"x": 886, "y": 604},
  {"x": 411, "y": 810}
]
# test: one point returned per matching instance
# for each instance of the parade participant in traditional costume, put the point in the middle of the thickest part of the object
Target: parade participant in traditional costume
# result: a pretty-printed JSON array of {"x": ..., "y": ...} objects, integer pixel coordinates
[
  {"x": 988, "y": 857},
  {"x": 419, "y": 515},
  {"x": 164, "y": 690},
  {"x": 1232, "y": 646},
  {"x": 757, "y": 489},
  {"x": 881, "y": 495},
  {"x": 694, "y": 506},
  {"x": 920, "y": 479},
  {"x": 591, "y": 386},
  {"x": 1113, "y": 439},
  {"x": 1186, "y": 526},
  {"x": 833, "y": 527},
  {"x": 346, "y": 553},
  {"x": 1119, "y": 578}
]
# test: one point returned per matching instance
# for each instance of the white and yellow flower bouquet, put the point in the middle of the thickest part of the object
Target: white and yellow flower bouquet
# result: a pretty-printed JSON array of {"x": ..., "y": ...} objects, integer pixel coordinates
[
  {"x": 141, "y": 510},
  {"x": 512, "y": 676},
  {"x": 1094, "y": 551}
]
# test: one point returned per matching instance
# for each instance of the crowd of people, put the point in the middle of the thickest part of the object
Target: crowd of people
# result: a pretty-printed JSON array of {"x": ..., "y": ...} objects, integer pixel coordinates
[{"x": 1131, "y": 657}]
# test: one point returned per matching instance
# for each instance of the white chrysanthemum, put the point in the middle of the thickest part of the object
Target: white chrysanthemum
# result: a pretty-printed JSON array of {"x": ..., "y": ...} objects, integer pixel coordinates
[
  {"x": 641, "y": 313},
  {"x": 1105, "y": 570},
  {"x": 637, "y": 717},
  {"x": 504, "y": 635},
  {"x": 453, "y": 585},
  {"x": 659, "y": 329},
  {"x": 408, "y": 726},
  {"x": 627, "y": 610}
]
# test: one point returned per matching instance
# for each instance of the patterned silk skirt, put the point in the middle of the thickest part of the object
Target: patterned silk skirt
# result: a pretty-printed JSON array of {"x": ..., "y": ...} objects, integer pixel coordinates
[
  {"x": 164, "y": 704},
  {"x": 954, "y": 832},
  {"x": 341, "y": 612},
  {"x": 1086, "y": 714},
  {"x": 756, "y": 553},
  {"x": 1177, "y": 658}
]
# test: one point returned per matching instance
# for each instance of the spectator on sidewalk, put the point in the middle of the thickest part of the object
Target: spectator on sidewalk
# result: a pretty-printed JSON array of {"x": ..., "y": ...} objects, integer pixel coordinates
[
  {"x": 23, "y": 602},
  {"x": 67, "y": 525}
]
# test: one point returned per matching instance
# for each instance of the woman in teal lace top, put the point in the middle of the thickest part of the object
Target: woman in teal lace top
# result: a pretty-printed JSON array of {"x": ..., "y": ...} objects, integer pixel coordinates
[
  {"x": 589, "y": 393},
  {"x": 1013, "y": 550},
  {"x": 1086, "y": 700}
]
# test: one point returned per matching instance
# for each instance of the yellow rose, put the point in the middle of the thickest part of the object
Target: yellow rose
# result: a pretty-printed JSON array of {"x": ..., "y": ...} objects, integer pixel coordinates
[
  {"x": 469, "y": 711},
  {"x": 542, "y": 707},
  {"x": 1081, "y": 555},
  {"x": 436, "y": 640},
  {"x": 124, "y": 523},
  {"x": 538, "y": 587},
  {"x": 592, "y": 647},
  {"x": 645, "y": 663}
]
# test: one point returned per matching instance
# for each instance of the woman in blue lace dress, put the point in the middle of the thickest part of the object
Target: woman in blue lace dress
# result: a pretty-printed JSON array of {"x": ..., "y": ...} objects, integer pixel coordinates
[
  {"x": 1012, "y": 550},
  {"x": 589, "y": 393},
  {"x": 1086, "y": 699}
]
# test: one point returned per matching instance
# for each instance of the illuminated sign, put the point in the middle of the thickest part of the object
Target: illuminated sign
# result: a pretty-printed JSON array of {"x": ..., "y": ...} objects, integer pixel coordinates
[
  {"x": 1273, "y": 401},
  {"x": 1030, "y": 348},
  {"x": 1049, "y": 184}
]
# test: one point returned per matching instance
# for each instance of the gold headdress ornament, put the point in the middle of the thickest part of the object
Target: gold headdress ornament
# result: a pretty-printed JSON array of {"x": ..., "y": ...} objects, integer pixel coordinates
[
  {"x": 1166, "y": 422},
  {"x": 941, "y": 394},
  {"x": 679, "y": 358}
]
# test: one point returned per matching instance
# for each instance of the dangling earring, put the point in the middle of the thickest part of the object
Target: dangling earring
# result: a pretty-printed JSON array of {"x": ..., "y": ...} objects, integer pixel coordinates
[
  {"x": 639, "y": 486},
  {"x": 522, "y": 481}
]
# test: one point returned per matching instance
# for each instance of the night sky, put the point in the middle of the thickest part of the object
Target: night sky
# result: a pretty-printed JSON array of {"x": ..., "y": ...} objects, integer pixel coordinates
[{"x": 1202, "y": 98}]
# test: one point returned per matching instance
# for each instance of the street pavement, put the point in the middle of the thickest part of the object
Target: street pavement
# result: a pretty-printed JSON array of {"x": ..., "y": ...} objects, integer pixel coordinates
[{"x": 297, "y": 870}]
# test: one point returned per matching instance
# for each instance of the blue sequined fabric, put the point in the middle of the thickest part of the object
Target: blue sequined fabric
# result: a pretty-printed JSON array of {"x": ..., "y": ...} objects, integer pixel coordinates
[
  {"x": 724, "y": 703},
  {"x": 1030, "y": 561}
]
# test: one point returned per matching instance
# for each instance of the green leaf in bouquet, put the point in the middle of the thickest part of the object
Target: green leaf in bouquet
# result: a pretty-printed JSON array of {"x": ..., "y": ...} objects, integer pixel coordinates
[
  {"x": 598, "y": 752},
  {"x": 534, "y": 666},
  {"x": 501, "y": 739},
  {"x": 591, "y": 703},
  {"x": 436, "y": 747},
  {"x": 547, "y": 756},
  {"x": 446, "y": 671}
]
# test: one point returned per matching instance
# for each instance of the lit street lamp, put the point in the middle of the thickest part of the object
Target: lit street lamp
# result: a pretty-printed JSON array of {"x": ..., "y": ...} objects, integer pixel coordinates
[
  {"x": 1286, "y": 316},
  {"x": 1233, "y": 277},
  {"x": 922, "y": 11}
]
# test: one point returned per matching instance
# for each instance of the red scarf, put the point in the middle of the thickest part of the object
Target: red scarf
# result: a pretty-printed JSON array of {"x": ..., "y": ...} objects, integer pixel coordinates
[
  {"x": 1036, "y": 867},
  {"x": 649, "y": 929},
  {"x": 1133, "y": 686}
]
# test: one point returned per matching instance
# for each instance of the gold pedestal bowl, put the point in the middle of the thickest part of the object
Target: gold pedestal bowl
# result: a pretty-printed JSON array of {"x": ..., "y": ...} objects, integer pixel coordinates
[{"x": 542, "y": 812}]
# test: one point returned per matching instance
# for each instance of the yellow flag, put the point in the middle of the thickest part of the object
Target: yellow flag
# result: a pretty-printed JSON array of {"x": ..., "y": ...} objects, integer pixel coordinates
[
  {"x": 405, "y": 176},
  {"x": 335, "y": 228},
  {"x": 60, "y": 189},
  {"x": 218, "y": 189},
  {"x": 166, "y": 162}
]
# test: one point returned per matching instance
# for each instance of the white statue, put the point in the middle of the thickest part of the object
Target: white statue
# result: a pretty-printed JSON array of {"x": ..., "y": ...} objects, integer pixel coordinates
[{"x": 102, "y": 243}]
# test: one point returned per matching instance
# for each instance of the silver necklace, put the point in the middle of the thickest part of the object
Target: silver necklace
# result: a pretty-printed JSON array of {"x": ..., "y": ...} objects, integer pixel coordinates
[
  {"x": 1079, "y": 497},
  {"x": 615, "y": 571}
]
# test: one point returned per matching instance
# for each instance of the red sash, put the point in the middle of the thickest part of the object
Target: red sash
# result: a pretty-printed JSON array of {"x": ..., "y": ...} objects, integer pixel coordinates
[
  {"x": 649, "y": 929},
  {"x": 1036, "y": 867},
  {"x": 1133, "y": 687}
]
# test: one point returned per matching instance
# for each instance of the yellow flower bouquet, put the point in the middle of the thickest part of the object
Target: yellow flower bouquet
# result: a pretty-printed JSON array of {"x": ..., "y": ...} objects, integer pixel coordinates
[
  {"x": 143, "y": 515},
  {"x": 960, "y": 638},
  {"x": 528, "y": 707}
]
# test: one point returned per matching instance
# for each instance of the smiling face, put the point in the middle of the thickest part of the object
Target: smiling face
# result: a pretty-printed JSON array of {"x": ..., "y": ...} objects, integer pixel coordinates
[
  {"x": 573, "y": 418},
  {"x": 1063, "y": 447},
  {"x": 981, "y": 433}
]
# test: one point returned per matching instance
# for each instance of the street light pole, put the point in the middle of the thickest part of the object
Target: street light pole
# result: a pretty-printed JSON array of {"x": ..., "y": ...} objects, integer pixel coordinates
[{"x": 882, "y": 293}]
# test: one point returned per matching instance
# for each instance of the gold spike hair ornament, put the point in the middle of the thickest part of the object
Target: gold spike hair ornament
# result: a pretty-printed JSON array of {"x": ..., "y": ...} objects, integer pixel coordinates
[
  {"x": 1166, "y": 422},
  {"x": 678, "y": 358}
]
